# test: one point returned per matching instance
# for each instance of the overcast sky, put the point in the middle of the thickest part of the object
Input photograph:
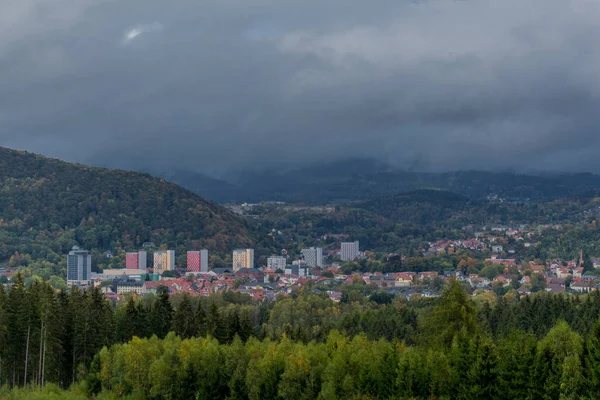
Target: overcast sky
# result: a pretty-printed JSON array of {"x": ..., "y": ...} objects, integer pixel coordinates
[{"x": 213, "y": 85}]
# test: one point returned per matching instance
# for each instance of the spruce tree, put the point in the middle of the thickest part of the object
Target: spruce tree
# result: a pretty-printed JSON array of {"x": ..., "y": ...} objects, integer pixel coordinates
[
  {"x": 161, "y": 315},
  {"x": 17, "y": 331},
  {"x": 246, "y": 325},
  {"x": 184, "y": 320},
  {"x": 3, "y": 333},
  {"x": 201, "y": 320},
  {"x": 213, "y": 319},
  {"x": 233, "y": 325},
  {"x": 222, "y": 332},
  {"x": 129, "y": 320}
]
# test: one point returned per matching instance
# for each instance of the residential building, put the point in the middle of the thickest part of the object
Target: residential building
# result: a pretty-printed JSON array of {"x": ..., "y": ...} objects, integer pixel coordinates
[
  {"x": 276, "y": 262},
  {"x": 197, "y": 261},
  {"x": 250, "y": 273},
  {"x": 153, "y": 286},
  {"x": 404, "y": 279},
  {"x": 243, "y": 258},
  {"x": 562, "y": 272},
  {"x": 383, "y": 280},
  {"x": 164, "y": 260},
  {"x": 111, "y": 274},
  {"x": 503, "y": 280},
  {"x": 497, "y": 248},
  {"x": 428, "y": 275},
  {"x": 297, "y": 269},
  {"x": 349, "y": 251},
  {"x": 313, "y": 257},
  {"x": 79, "y": 265},
  {"x": 135, "y": 260},
  {"x": 130, "y": 286}
]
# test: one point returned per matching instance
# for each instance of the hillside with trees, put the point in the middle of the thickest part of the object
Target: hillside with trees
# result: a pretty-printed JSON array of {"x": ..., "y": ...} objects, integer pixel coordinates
[
  {"x": 406, "y": 222},
  {"x": 47, "y": 205},
  {"x": 366, "y": 179}
]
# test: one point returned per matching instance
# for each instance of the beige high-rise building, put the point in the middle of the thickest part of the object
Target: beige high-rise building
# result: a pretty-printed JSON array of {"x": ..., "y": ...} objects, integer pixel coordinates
[
  {"x": 164, "y": 260},
  {"x": 243, "y": 258}
]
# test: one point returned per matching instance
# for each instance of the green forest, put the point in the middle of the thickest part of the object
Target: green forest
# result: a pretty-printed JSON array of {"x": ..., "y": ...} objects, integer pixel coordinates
[
  {"x": 406, "y": 223},
  {"x": 47, "y": 205},
  {"x": 303, "y": 346}
]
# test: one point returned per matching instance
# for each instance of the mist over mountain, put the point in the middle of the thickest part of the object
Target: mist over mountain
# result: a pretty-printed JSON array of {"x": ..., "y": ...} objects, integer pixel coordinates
[{"x": 365, "y": 179}]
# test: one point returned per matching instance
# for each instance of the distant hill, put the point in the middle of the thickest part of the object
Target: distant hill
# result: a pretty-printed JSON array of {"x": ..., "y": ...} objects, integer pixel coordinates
[
  {"x": 424, "y": 207},
  {"x": 359, "y": 180},
  {"x": 46, "y": 205},
  {"x": 210, "y": 188}
]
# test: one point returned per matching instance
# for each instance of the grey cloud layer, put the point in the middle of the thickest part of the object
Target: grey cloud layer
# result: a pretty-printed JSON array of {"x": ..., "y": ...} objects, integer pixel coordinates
[{"x": 213, "y": 85}]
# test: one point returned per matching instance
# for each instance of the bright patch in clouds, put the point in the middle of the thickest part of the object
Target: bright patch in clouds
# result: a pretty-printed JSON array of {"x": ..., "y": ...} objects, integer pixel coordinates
[{"x": 133, "y": 33}]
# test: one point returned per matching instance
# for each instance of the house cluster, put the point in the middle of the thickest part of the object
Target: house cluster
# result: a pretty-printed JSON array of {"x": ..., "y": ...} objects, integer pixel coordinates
[
  {"x": 254, "y": 282},
  {"x": 495, "y": 239},
  {"x": 278, "y": 278},
  {"x": 556, "y": 276},
  {"x": 449, "y": 246}
]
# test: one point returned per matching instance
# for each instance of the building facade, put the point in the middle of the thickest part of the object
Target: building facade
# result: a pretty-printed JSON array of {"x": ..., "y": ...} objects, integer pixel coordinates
[
  {"x": 79, "y": 265},
  {"x": 126, "y": 287},
  {"x": 135, "y": 260},
  {"x": 197, "y": 261},
  {"x": 243, "y": 258},
  {"x": 313, "y": 257},
  {"x": 349, "y": 251},
  {"x": 276, "y": 262},
  {"x": 164, "y": 260},
  {"x": 131, "y": 274},
  {"x": 299, "y": 270}
]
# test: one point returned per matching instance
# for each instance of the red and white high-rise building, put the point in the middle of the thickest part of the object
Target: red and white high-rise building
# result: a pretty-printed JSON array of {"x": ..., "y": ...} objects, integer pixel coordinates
[
  {"x": 135, "y": 260},
  {"x": 197, "y": 261}
]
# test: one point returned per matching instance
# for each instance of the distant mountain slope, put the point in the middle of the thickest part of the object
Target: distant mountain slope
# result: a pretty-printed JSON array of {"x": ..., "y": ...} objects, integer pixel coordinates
[
  {"x": 358, "y": 180},
  {"x": 47, "y": 204},
  {"x": 210, "y": 188},
  {"x": 435, "y": 208}
]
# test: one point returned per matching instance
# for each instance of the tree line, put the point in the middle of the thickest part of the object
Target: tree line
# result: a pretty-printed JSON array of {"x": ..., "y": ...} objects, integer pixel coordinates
[
  {"x": 301, "y": 346},
  {"x": 561, "y": 365}
]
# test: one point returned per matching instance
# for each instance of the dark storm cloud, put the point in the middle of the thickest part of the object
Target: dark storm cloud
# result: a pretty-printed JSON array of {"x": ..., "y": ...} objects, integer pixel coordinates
[{"x": 212, "y": 85}]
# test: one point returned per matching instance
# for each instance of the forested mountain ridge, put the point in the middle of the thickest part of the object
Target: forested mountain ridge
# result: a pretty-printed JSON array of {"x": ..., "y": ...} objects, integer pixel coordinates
[
  {"x": 46, "y": 205},
  {"x": 364, "y": 179}
]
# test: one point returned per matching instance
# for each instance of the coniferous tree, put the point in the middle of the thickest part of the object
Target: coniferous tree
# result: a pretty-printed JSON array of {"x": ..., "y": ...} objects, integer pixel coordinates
[
  {"x": 141, "y": 323},
  {"x": 246, "y": 325},
  {"x": 66, "y": 358},
  {"x": 591, "y": 360},
  {"x": 222, "y": 332},
  {"x": 484, "y": 373},
  {"x": 201, "y": 320},
  {"x": 161, "y": 315},
  {"x": 462, "y": 360},
  {"x": 84, "y": 332},
  {"x": 455, "y": 313},
  {"x": 184, "y": 320},
  {"x": 3, "y": 333},
  {"x": 52, "y": 338},
  {"x": 233, "y": 325},
  {"x": 17, "y": 331},
  {"x": 212, "y": 320},
  {"x": 128, "y": 320}
]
